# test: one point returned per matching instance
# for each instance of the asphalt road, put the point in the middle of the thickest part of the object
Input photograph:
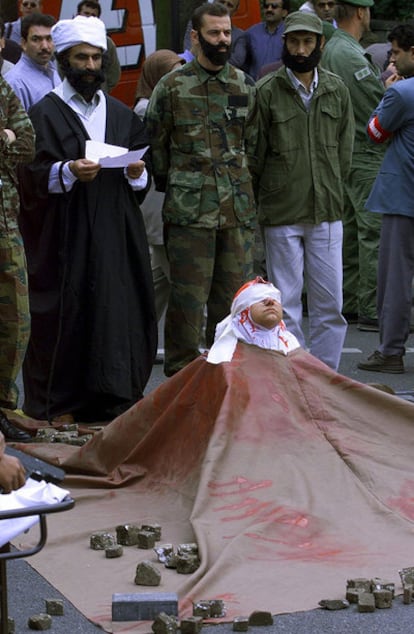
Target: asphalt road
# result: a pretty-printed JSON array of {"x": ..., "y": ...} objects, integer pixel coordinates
[{"x": 28, "y": 590}]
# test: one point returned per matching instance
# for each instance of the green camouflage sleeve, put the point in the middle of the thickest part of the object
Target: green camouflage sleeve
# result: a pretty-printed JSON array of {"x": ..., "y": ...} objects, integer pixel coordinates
[
  {"x": 158, "y": 120},
  {"x": 14, "y": 117}
]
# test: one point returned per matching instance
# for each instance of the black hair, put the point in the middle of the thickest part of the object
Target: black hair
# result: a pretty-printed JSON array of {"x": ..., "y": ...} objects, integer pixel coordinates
[
  {"x": 403, "y": 34},
  {"x": 216, "y": 9},
  {"x": 36, "y": 19},
  {"x": 92, "y": 4}
]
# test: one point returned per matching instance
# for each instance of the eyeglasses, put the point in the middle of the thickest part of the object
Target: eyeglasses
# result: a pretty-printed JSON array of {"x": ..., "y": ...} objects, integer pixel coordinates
[
  {"x": 272, "y": 5},
  {"x": 32, "y": 5}
]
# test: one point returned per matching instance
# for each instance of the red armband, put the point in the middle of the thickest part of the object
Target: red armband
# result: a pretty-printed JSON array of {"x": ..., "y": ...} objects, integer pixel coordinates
[{"x": 376, "y": 132}]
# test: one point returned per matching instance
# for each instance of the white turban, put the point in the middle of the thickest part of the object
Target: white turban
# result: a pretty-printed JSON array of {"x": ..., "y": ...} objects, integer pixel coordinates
[
  {"x": 79, "y": 30},
  {"x": 230, "y": 330}
]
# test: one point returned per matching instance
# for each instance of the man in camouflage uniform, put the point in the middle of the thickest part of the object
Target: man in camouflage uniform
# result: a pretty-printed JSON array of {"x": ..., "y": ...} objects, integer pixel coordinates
[
  {"x": 344, "y": 56},
  {"x": 16, "y": 146},
  {"x": 200, "y": 119}
]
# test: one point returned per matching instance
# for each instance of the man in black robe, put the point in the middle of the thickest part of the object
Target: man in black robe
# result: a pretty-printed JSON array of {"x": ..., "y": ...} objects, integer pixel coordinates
[{"x": 94, "y": 332}]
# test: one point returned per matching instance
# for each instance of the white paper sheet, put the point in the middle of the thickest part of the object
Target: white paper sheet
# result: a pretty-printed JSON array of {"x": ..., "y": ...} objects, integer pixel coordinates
[
  {"x": 33, "y": 493},
  {"x": 108, "y": 155}
]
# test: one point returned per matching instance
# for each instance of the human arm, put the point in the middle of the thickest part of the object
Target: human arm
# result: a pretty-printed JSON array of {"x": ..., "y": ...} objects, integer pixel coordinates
[
  {"x": 16, "y": 131},
  {"x": 388, "y": 117},
  {"x": 12, "y": 473},
  {"x": 346, "y": 133},
  {"x": 159, "y": 121}
]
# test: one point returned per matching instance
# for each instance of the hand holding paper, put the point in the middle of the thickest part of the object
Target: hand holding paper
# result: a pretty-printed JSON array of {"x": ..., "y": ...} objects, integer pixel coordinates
[{"x": 112, "y": 155}]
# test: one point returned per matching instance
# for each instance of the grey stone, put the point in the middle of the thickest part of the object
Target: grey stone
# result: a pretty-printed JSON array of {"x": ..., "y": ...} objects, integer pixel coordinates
[
  {"x": 54, "y": 607},
  {"x": 259, "y": 617},
  {"x": 102, "y": 540},
  {"x": 143, "y": 606},
  {"x": 147, "y": 574},
  {"x": 163, "y": 551},
  {"x": 40, "y": 621},
  {"x": 352, "y": 594},
  {"x": 382, "y": 584}
]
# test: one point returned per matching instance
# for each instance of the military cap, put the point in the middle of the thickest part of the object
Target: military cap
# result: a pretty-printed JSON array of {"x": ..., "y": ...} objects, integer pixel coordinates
[
  {"x": 301, "y": 21},
  {"x": 357, "y": 3}
]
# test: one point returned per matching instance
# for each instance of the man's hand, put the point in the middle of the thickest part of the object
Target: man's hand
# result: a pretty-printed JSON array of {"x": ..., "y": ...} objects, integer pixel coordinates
[
  {"x": 12, "y": 473},
  {"x": 134, "y": 170},
  {"x": 84, "y": 169}
]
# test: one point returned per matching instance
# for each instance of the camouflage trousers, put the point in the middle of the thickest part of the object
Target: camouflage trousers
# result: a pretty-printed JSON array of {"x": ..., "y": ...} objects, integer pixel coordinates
[
  {"x": 14, "y": 314},
  {"x": 207, "y": 267}
]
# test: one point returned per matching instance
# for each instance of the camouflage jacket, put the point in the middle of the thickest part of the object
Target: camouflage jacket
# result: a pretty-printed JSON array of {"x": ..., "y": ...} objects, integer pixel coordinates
[
  {"x": 200, "y": 125},
  {"x": 13, "y": 117}
]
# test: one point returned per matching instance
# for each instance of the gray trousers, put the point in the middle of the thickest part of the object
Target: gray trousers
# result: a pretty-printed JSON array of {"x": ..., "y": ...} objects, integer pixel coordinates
[{"x": 395, "y": 275}]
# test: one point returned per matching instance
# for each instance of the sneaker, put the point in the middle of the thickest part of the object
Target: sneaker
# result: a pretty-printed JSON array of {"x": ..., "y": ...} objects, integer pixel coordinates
[
  {"x": 367, "y": 324},
  {"x": 377, "y": 362}
]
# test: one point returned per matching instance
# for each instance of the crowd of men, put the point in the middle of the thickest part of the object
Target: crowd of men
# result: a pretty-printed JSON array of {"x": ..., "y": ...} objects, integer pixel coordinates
[{"x": 267, "y": 125}]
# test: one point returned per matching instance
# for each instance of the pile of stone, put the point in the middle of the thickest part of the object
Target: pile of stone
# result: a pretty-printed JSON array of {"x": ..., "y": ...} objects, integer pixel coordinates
[
  {"x": 67, "y": 433},
  {"x": 372, "y": 594}
]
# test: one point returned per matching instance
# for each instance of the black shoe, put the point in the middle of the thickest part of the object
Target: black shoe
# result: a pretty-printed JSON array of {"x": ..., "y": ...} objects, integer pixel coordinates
[
  {"x": 377, "y": 362},
  {"x": 368, "y": 325},
  {"x": 12, "y": 433}
]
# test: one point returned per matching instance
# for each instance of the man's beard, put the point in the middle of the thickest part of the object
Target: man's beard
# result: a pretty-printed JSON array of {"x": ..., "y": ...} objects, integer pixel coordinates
[
  {"x": 212, "y": 52},
  {"x": 301, "y": 63},
  {"x": 78, "y": 81}
]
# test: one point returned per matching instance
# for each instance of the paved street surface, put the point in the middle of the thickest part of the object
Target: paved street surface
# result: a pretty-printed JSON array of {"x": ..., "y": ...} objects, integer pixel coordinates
[{"x": 27, "y": 589}]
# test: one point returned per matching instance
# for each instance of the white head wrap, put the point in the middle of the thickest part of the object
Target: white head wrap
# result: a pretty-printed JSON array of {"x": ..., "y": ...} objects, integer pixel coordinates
[
  {"x": 233, "y": 327},
  {"x": 79, "y": 30}
]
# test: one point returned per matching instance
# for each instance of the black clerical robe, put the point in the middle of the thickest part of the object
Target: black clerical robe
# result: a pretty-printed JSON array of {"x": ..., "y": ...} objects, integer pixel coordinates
[{"x": 94, "y": 330}]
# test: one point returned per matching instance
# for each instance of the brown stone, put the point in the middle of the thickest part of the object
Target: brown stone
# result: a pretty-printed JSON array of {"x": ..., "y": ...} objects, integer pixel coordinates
[
  {"x": 187, "y": 564},
  {"x": 153, "y": 528},
  {"x": 127, "y": 534},
  {"x": 240, "y": 624},
  {"x": 407, "y": 576},
  {"x": 217, "y": 608},
  {"x": 114, "y": 551},
  {"x": 191, "y": 625},
  {"x": 40, "y": 621},
  {"x": 145, "y": 539},
  {"x": 147, "y": 574},
  {"x": 366, "y": 602},
  {"x": 383, "y": 599},
  {"x": 334, "y": 604},
  {"x": 54, "y": 607},
  {"x": 408, "y": 594},
  {"x": 102, "y": 540},
  {"x": 382, "y": 584},
  {"x": 164, "y": 624},
  {"x": 352, "y": 594},
  {"x": 202, "y": 608},
  {"x": 259, "y": 617},
  {"x": 360, "y": 583}
]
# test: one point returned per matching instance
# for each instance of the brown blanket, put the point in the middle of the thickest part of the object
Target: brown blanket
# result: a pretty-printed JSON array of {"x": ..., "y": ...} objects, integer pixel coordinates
[{"x": 290, "y": 477}]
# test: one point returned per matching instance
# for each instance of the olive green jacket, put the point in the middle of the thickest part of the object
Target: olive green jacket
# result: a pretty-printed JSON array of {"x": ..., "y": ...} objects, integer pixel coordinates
[
  {"x": 200, "y": 125},
  {"x": 301, "y": 159}
]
